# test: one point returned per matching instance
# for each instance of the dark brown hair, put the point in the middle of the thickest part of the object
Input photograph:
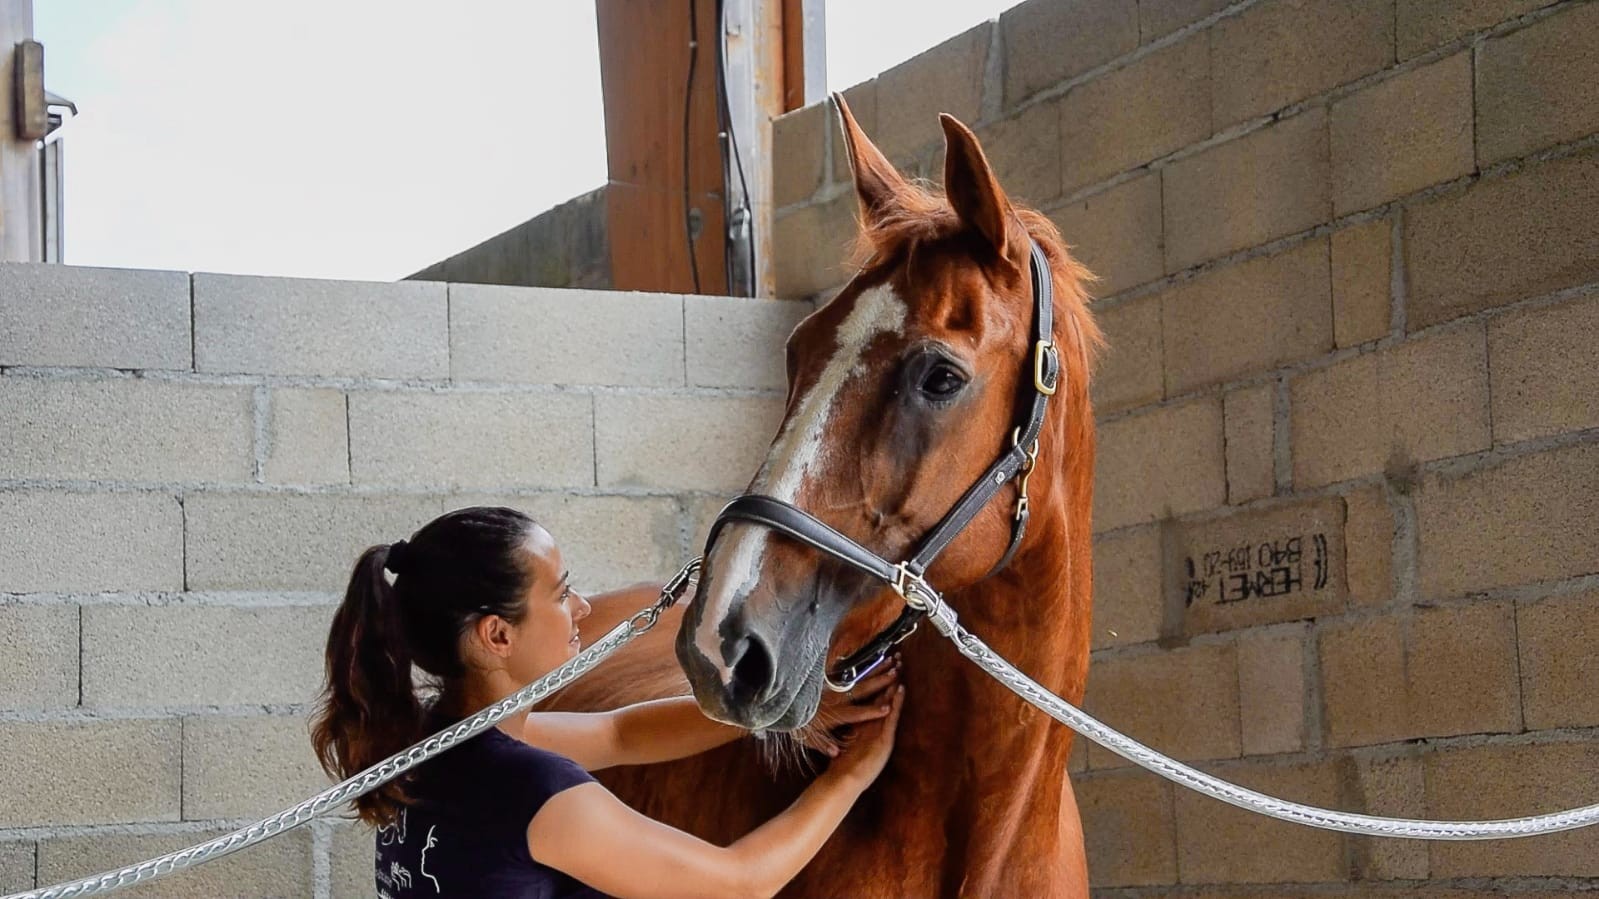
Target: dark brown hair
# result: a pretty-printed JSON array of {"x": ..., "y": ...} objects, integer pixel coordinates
[{"x": 458, "y": 568}]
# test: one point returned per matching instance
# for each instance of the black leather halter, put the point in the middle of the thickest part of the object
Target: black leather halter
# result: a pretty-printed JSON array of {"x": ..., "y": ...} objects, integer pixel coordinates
[{"x": 1017, "y": 460}]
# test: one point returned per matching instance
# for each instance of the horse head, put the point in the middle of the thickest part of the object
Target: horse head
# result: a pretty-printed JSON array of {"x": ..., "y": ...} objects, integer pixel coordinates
[{"x": 901, "y": 392}]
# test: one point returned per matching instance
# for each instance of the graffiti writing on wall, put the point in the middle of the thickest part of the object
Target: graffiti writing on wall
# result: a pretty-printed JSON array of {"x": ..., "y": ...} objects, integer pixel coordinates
[{"x": 1285, "y": 566}]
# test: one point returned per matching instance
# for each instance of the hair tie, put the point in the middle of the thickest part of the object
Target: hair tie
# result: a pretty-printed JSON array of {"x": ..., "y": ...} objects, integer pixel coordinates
[{"x": 396, "y": 556}]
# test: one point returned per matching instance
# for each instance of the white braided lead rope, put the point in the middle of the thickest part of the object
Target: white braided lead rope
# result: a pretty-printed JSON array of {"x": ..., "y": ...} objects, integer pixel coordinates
[
  {"x": 376, "y": 776},
  {"x": 944, "y": 620}
]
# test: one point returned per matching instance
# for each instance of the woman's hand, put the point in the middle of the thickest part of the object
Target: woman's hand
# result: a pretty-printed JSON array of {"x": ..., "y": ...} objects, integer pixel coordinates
[
  {"x": 868, "y": 750},
  {"x": 867, "y": 701}
]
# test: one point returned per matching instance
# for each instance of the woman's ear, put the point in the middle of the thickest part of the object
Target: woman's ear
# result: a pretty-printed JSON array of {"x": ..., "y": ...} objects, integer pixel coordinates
[{"x": 492, "y": 635}]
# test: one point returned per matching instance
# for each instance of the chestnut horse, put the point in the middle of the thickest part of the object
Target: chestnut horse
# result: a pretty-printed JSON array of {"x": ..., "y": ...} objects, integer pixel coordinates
[{"x": 901, "y": 391}]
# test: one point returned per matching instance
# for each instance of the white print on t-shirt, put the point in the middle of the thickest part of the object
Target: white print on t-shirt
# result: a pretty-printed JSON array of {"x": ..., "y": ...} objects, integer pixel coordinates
[
  {"x": 423, "y": 866},
  {"x": 402, "y": 876},
  {"x": 389, "y": 834}
]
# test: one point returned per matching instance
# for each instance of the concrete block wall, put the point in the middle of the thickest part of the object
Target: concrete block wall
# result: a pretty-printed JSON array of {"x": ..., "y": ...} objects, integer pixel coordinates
[
  {"x": 189, "y": 465},
  {"x": 1348, "y": 484}
]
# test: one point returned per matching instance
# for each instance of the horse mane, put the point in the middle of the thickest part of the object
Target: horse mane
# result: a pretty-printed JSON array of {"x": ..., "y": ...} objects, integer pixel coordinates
[{"x": 920, "y": 215}]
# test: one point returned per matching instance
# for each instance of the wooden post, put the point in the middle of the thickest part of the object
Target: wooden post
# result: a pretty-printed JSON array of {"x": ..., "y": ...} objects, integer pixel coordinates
[
  {"x": 774, "y": 62},
  {"x": 644, "y": 73}
]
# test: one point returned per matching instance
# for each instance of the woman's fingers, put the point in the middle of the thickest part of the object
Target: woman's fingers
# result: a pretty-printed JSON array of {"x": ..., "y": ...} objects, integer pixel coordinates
[
  {"x": 867, "y": 690},
  {"x": 857, "y": 714}
]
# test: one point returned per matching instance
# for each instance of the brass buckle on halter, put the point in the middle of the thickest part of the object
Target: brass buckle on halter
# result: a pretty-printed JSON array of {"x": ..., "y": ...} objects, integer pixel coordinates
[
  {"x": 1029, "y": 462},
  {"x": 1040, "y": 350}
]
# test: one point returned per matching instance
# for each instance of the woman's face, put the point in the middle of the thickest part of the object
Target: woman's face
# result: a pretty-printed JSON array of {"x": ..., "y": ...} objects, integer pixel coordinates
[{"x": 547, "y": 636}]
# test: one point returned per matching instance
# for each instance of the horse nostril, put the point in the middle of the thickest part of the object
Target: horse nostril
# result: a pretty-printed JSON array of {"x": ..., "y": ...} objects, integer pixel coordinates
[{"x": 752, "y": 670}]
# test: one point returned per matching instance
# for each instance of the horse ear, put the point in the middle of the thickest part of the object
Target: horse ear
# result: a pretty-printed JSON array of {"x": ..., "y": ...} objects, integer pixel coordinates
[
  {"x": 970, "y": 185},
  {"x": 877, "y": 182}
]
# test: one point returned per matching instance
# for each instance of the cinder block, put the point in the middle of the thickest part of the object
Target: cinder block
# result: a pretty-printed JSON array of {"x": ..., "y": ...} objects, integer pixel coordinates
[
  {"x": 1129, "y": 372},
  {"x": 1266, "y": 312},
  {"x": 1157, "y": 18},
  {"x": 1462, "y": 669},
  {"x": 308, "y": 438},
  {"x": 1545, "y": 381},
  {"x": 700, "y": 513},
  {"x": 1139, "y": 113},
  {"x": 1047, "y": 42},
  {"x": 145, "y": 656},
  {"x": 1117, "y": 234},
  {"x": 1167, "y": 461},
  {"x": 1558, "y": 666},
  {"x": 1402, "y": 134},
  {"x": 354, "y": 859},
  {"x": 1364, "y": 699},
  {"x": 1424, "y": 24},
  {"x": 126, "y": 430},
  {"x": 799, "y": 152},
  {"x": 1129, "y": 828},
  {"x": 289, "y": 542},
  {"x": 1530, "y": 519},
  {"x": 1368, "y": 546},
  {"x": 1271, "y": 690},
  {"x": 1251, "y": 418},
  {"x": 1362, "y": 265},
  {"x": 1261, "y": 566},
  {"x": 815, "y": 239},
  {"x": 862, "y": 100},
  {"x": 738, "y": 341},
  {"x": 543, "y": 336},
  {"x": 280, "y": 867},
  {"x": 1449, "y": 670},
  {"x": 1183, "y": 702},
  {"x": 96, "y": 317},
  {"x": 293, "y": 326},
  {"x": 1077, "y": 762},
  {"x": 1219, "y": 843},
  {"x": 1503, "y": 240},
  {"x": 16, "y": 866},
  {"x": 609, "y": 542},
  {"x": 1129, "y": 590},
  {"x": 1506, "y": 781},
  {"x": 947, "y": 78},
  {"x": 1024, "y": 151},
  {"x": 460, "y": 439},
  {"x": 1247, "y": 191},
  {"x": 84, "y": 542},
  {"x": 1535, "y": 87},
  {"x": 1281, "y": 52},
  {"x": 1423, "y": 399},
  {"x": 247, "y": 767},
  {"x": 1385, "y": 785},
  {"x": 683, "y": 442},
  {"x": 38, "y": 656},
  {"x": 78, "y": 773}
]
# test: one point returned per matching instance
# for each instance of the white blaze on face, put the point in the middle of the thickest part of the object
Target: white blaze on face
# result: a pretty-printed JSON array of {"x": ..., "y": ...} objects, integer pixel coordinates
[{"x": 796, "y": 456}]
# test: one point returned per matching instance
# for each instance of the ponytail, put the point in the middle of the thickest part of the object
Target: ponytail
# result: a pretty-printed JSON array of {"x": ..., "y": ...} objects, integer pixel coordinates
[{"x": 369, "y": 708}]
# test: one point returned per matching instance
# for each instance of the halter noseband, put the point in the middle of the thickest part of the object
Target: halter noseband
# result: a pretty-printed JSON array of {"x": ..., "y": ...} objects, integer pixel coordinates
[{"x": 904, "y": 577}]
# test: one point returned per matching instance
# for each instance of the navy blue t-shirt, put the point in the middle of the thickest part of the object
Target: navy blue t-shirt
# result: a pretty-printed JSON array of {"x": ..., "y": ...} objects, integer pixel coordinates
[{"x": 465, "y": 833}]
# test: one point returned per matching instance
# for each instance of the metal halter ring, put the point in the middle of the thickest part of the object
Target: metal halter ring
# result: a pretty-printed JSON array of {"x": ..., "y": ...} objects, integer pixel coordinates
[{"x": 912, "y": 587}]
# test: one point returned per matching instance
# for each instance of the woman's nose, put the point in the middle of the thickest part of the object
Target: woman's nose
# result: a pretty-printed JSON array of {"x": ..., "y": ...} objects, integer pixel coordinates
[{"x": 583, "y": 608}]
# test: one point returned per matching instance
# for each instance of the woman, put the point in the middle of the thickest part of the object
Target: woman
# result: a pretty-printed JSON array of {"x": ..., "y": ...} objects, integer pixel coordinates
[{"x": 480, "y": 600}]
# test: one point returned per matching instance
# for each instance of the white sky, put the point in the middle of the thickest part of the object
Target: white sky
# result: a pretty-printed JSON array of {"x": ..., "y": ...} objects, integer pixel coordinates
[{"x": 354, "y": 138}]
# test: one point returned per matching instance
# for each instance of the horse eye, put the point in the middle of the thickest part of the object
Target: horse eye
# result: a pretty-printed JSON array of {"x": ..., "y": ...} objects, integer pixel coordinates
[{"x": 942, "y": 382}]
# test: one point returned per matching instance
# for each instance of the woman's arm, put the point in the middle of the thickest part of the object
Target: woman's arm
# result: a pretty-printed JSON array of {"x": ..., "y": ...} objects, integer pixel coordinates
[
  {"x": 654, "y": 731},
  {"x": 665, "y": 729},
  {"x": 592, "y": 836}
]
